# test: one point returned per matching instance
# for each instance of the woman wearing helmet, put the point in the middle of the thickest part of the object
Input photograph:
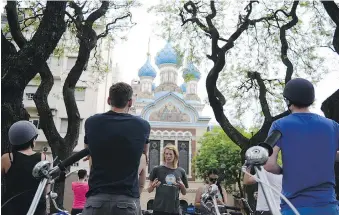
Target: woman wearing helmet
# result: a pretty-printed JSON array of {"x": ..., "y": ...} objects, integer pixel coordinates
[
  {"x": 17, "y": 168},
  {"x": 309, "y": 144}
]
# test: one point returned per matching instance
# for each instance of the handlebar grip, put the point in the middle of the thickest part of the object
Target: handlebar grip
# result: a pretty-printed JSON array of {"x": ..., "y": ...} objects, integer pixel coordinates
[
  {"x": 273, "y": 138},
  {"x": 73, "y": 158},
  {"x": 270, "y": 141}
]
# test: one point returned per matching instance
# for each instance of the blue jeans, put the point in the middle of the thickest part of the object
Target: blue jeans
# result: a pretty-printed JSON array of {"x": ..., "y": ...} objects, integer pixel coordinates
[{"x": 323, "y": 210}]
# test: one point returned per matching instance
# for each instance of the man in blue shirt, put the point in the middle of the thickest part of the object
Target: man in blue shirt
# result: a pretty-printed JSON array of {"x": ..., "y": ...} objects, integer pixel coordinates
[
  {"x": 116, "y": 141},
  {"x": 309, "y": 144}
]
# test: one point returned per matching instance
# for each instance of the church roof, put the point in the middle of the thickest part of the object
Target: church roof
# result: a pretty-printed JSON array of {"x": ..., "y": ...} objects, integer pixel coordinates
[
  {"x": 166, "y": 55},
  {"x": 147, "y": 70},
  {"x": 191, "y": 70}
]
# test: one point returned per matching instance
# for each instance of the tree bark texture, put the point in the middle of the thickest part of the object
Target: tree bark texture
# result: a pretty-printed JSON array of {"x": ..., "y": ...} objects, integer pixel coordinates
[
  {"x": 19, "y": 67},
  {"x": 215, "y": 97},
  {"x": 330, "y": 107},
  {"x": 63, "y": 147},
  {"x": 332, "y": 10}
]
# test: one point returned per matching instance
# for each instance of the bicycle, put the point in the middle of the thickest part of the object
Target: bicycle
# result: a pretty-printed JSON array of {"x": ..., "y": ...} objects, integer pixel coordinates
[
  {"x": 256, "y": 157},
  {"x": 211, "y": 207},
  {"x": 46, "y": 175}
]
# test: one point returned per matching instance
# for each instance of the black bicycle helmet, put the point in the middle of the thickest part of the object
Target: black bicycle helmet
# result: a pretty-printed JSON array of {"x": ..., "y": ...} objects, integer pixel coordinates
[
  {"x": 22, "y": 132},
  {"x": 299, "y": 92}
]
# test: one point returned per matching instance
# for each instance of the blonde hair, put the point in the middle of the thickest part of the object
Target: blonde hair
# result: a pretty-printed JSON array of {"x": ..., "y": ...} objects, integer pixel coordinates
[{"x": 176, "y": 154}]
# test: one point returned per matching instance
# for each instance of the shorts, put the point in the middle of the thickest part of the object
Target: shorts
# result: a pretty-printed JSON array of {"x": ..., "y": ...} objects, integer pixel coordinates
[{"x": 111, "y": 204}]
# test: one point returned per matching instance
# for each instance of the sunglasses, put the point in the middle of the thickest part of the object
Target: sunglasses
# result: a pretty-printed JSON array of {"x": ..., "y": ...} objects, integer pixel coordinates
[{"x": 213, "y": 180}]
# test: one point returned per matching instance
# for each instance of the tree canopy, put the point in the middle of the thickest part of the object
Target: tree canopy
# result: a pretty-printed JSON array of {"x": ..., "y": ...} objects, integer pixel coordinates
[
  {"x": 37, "y": 31},
  {"x": 252, "y": 49}
]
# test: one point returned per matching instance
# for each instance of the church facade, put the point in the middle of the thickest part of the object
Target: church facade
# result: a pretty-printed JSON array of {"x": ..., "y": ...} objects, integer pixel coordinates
[{"x": 173, "y": 111}]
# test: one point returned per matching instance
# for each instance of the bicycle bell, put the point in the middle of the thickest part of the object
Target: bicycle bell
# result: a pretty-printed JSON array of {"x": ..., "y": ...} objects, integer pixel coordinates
[
  {"x": 41, "y": 169},
  {"x": 256, "y": 155}
]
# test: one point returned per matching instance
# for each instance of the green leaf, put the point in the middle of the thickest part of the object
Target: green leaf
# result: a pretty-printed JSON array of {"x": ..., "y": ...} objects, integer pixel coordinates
[{"x": 217, "y": 149}]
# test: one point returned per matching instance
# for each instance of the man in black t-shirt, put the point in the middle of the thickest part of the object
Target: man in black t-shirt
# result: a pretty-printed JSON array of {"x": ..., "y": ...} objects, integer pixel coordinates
[{"x": 116, "y": 141}]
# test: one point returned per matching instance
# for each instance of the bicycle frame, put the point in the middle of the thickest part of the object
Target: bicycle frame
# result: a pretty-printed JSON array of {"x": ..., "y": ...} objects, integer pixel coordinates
[
  {"x": 257, "y": 157},
  {"x": 211, "y": 193},
  {"x": 245, "y": 204}
]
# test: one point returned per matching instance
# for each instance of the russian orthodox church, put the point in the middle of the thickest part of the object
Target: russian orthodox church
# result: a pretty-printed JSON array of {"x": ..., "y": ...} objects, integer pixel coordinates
[{"x": 173, "y": 111}]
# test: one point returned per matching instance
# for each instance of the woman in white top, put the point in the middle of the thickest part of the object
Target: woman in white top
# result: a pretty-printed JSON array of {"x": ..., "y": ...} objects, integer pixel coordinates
[{"x": 275, "y": 181}]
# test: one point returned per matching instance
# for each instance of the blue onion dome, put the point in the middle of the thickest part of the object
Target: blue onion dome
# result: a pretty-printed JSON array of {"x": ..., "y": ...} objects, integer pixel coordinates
[
  {"x": 153, "y": 86},
  {"x": 147, "y": 70},
  {"x": 191, "y": 72},
  {"x": 167, "y": 55},
  {"x": 183, "y": 87}
]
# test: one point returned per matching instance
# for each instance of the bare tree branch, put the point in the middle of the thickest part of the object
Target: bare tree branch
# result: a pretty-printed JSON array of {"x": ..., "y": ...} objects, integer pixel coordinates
[
  {"x": 13, "y": 22},
  {"x": 262, "y": 94},
  {"x": 332, "y": 10},
  {"x": 98, "y": 13},
  {"x": 284, "y": 44},
  {"x": 7, "y": 50},
  {"x": 105, "y": 33},
  {"x": 87, "y": 40},
  {"x": 216, "y": 99},
  {"x": 76, "y": 22}
]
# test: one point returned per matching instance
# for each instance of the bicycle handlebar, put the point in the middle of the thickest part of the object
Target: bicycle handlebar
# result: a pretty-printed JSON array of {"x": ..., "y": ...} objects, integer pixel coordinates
[
  {"x": 270, "y": 141},
  {"x": 73, "y": 158},
  {"x": 42, "y": 171}
]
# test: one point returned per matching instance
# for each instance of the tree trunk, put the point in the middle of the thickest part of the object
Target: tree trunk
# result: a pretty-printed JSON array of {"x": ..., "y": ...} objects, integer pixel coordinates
[
  {"x": 12, "y": 110},
  {"x": 18, "y": 68},
  {"x": 241, "y": 190},
  {"x": 62, "y": 150},
  {"x": 330, "y": 107},
  {"x": 250, "y": 189}
]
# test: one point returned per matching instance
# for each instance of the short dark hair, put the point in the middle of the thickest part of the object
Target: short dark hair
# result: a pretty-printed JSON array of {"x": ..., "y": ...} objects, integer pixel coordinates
[
  {"x": 300, "y": 105},
  {"x": 82, "y": 173},
  {"x": 119, "y": 94},
  {"x": 212, "y": 171},
  {"x": 24, "y": 146}
]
